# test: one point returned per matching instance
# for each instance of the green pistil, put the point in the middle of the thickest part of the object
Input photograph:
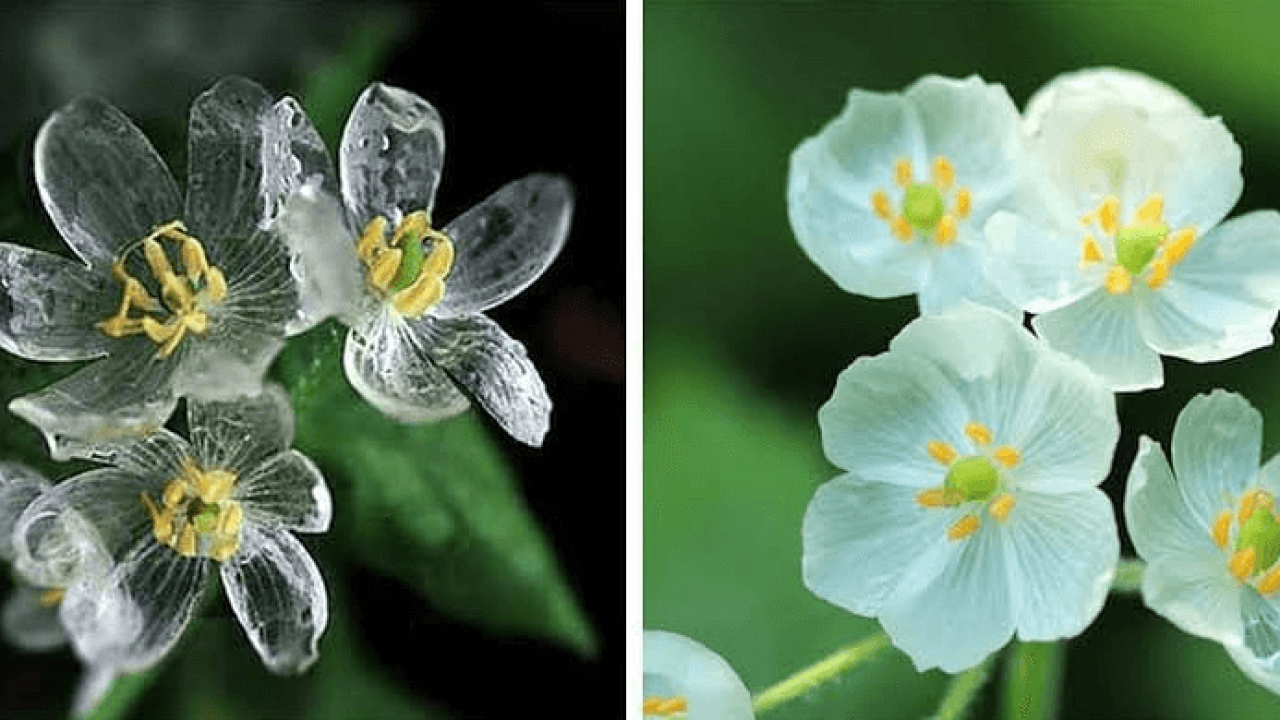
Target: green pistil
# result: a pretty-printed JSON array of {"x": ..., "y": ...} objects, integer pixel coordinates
[
  {"x": 1135, "y": 246},
  {"x": 410, "y": 264},
  {"x": 1262, "y": 533},
  {"x": 205, "y": 518},
  {"x": 974, "y": 477},
  {"x": 923, "y": 206}
]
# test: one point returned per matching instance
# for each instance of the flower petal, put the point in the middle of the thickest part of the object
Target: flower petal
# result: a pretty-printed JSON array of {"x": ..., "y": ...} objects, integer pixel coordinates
[
  {"x": 287, "y": 490},
  {"x": 861, "y": 538},
  {"x": 954, "y": 274},
  {"x": 1186, "y": 579},
  {"x": 330, "y": 277},
  {"x": 506, "y": 242},
  {"x": 19, "y": 485},
  {"x": 1062, "y": 552},
  {"x": 1155, "y": 97},
  {"x": 1205, "y": 182},
  {"x": 1101, "y": 330},
  {"x": 677, "y": 666},
  {"x": 157, "y": 457},
  {"x": 240, "y": 434},
  {"x": 279, "y": 597},
  {"x": 101, "y": 182},
  {"x": 1262, "y": 672},
  {"x": 31, "y": 624},
  {"x": 50, "y": 306},
  {"x": 1217, "y": 443},
  {"x": 391, "y": 155},
  {"x": 1261, "y": 618},
  {"x": 387, "y": 363},
  {"x": 94, "y": 683},
  {"x": 1034, "y": 256},
  {"x": 225, "y": 160}
]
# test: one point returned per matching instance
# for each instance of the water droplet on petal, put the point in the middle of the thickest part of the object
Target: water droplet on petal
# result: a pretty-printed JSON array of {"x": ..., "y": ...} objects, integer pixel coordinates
[{"x": 386, "y": 142}]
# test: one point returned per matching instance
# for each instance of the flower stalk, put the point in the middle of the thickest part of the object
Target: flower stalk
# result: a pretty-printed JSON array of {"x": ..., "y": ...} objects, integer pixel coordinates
[{"x": 820, "y": 672}]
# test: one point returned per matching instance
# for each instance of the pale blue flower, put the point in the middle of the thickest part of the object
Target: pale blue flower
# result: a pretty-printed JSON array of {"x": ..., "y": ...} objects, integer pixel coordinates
[
  {"x": 969, "y": 509},
  {"x": 1209, "y": 531},
  {"x": 1115, "y": 239},
  {"x": 891, "y": 197},
  {"x": 683, "y": 679}
]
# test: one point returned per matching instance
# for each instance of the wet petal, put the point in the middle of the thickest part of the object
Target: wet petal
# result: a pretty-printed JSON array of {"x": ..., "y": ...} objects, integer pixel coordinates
[
  {"x": 287, "y": 490},
  {"x": 225, "y": 156},
  {"x": 19, "y": 485},
  {"x": 82, "y": 524},
  {"x": 239, "y": 434},
  {"x": 30, "y": 624},
  {"x": 504, "y": 243},
  {"x": 387, "y": 363},
  {"x": 294, "y": 153},
  {"x": 279, "y": 597},
  {"x": 50, "y": 306},
  {"x": 1101, "y": 330},
  {"x": 101, "y": 182}
]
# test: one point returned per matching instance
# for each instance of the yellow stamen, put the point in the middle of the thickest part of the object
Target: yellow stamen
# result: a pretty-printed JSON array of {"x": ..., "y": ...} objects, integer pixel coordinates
[
  {"x": 1091, "y": 253},
  {"x": 1002, "y": 506},
  {"x": 963, "y": 528},
  {"x": 1222, "y": 529},
  {"x": 1270, "y": 582},
  {"x": 941, "y": 452},
  {"x": 901, "y": 228},
  {"x": 880, "y": 204},
  {"x": 372, "y": 239},
  {"x": 946, "y": 232},
  {"x": 1109, "y": 214},
  {"x": 51, "y": 597},
  {"x": 1007, "y": 456},
  {"x": 665, "y": 706},
  {"x": 1178, "y": 243},
  {"x": 978, "y": 433},
  {"x": 902, "y": 172},
  {"x": 944, "y": 173},
  {"x": 1159, "y": 272},
  {"x": 383, "y": 269},
  {"x": 939, "y": 497},
  {"x": 964, "y": 203},
  {"x": 1151, "y": 211},
  {"x": 1241, "y": 564},
  {"x": 1118, "y": 280},
  {"x": 187, "y": 541}
]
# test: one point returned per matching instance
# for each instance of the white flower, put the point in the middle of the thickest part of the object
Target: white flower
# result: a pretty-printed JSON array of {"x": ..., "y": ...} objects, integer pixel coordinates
[
  {"x": 169, "y": 512},
  {"x": 969, "y": 509},
  {"x": 414, "y": 296},
  {"x": 683, "y": 679},
  {"x": 891, "y": 197},
  {"x": 1209, "y": 531},
  {"x": 1116, "y": 239},
  {"x": 182, "y": 299}
]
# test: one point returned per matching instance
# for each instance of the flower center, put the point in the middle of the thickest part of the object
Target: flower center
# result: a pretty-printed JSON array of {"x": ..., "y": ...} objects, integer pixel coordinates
[
  {"x": 973, "y": 478},
  {"x": 1145, "y": 247},
  {"x": 924, "y": 204},
  {"x": 185, "y": 298},
  {"x": 197, "y": 514},
  {"x": 1257, "y": 544},
  {"x": 406, "y": 269},
  {"x": 658, "y": 706}
]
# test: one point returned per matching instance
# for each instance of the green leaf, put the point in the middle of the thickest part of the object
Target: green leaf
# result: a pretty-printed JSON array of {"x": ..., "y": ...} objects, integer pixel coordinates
[
  {"x": 433, "y": 505},
  {"x": 330, "y": 91}
]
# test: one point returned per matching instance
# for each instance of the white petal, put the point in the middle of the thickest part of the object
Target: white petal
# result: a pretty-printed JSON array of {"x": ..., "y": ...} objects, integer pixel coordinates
[
  {"x": 493, "y": 368},
  {"x": 1261, "y": 618},
  {"x": 954, "y": 274},
  {"x": 1265, "y": 674},
  {"x": 225, "y": 159},
  {"x": 386, "y": 363},
  {"x": 1186, "y": 579},
  {"x": 240, "y": 434},
  {"x": 1101, "y": 330},
  {"x": 506, "y": 242},
  {"x": 293, "y": 154},
  {"x": 92, "y": 688},
  {"x": 287, "y": 490},
  {"x": 1217, "y": 443},
  {"x": 101, "y": 182},
  {"x": 331, "y": 282},
  {"x": 676, "y": 666},
  {"x": 1062, "y": 553},
  {"x": 50, "y": 305},
  {"x": 391, "y": 155},
  {"x": 861, "y": 538},
  {"x": 30, "y": 624},
  {"x": 279, "y": 597},
  {"x": 1035, "y": 252},
  {"x": 1112, "y": 83},
  {"x": 1205, "y": 182}
]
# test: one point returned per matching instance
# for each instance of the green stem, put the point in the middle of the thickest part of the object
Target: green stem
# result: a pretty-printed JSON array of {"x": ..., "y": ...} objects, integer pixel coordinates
[
  {"x": 1128, "y": 577},
  {"x": 1032, "y": 681},
  {"x": 820, "y": 672},
  {"x": 962, "y": 691}
]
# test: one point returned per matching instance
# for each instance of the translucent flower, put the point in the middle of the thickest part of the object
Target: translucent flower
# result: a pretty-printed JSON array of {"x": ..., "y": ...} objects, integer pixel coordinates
[
  {"x": 891, "y": 197},
  {"x": 1116, "y": 239},
  {"x": 683, "y": 679},
  {"x": 414, "y": 296},
  {"x": 969, "y": 509},
  {"x": 182, "y": 299},
  {"x": 1210, "y": 533},
  {"x": 170, "y": 512}
]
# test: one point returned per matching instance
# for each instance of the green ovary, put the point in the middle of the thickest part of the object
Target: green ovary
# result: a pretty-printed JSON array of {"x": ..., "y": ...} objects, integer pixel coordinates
[
  {"x": 410, "y": 264},
  {"x": 974, "y": 477},
  {"x": 1135, "y": 246},
  {"x": 1262, "y": 533},
  {"x": 923, "y": 206}
]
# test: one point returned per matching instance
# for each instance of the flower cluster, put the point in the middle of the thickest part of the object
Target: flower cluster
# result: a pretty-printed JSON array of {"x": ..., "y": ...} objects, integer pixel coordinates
[{"x": 190, "y": 297}]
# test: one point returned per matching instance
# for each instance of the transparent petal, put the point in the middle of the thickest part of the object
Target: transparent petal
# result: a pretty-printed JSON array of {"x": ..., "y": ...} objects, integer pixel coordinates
[
  {"x": 1221, "y": 300},
  {"x": 19, "y": 485},
  {"x": 101, "y": 182},
  {"x": 225, "y": 159},
  {"x": 1062, "y": 552},
  {"x": 293, "y": 154},
  {"x": 861, "y": 538},
  {"x": 1217, "y": 445},
  {"x": 240, "y": 434},
  {"x": 119, "y": 398},
  {"x": 158, "y": 457},
  {"x": 50, "y": 305},
  {"x": 677, "y": 666},
  {"x": 506, "y": 242},
  {"x": 975, "y": 126},
  {"x": 92, "y": 688},
  {"x": 388, "y": 365},
  {"x": 954, "y": 618},
  {"x": 493, "y": 368},
  {"x": 279, "y": 597},
  {"x": 1186, "y": 580},
  {"x": 287, "y": 490},
  {"x": 1261, "y": 618},
  {"x": 1266, "y": 674},
  {"x": 330, "y": 277},
  {"x": 1101, "y": 330},
  {"x": 81, "y": 524},
  {"x": 30, "y": 624},
  {"x": 391, "y": 155}
]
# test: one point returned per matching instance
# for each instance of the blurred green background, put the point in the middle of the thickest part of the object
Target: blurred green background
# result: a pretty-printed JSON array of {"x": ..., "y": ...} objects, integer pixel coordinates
[{"x": 744, "y": 336}]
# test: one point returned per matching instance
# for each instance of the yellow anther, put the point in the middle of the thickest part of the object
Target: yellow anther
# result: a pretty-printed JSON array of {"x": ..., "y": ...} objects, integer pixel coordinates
[
  {"x": 384, "y": 267},
  {"x": 1117, "y": 281},
  {"x": 224, "y": 548},
  {"x": 440, "y": 260},
  {"x": 1007, "y": 456},
  {"x": 964, "y": 527},
  {"x": 1241, "y": 564},
  {"x": 1222, "y": 529},
  {"x": 1253, "y": 500},
  {"x": 373, "y": 238},
  {"x": 161, "y": 521},
  {"x": 415, "y": 223},
  {"x": 1002, "y": 506},
  {"x": 1151, "y": 211},
  {"x": 944, "y": 173},
  {"x": 215, "y": 284},
  {"x": 1159, "y": 272},
  {"x": 964, "y": 203},
  {"x": 419, "y": 297},
  {"x": 174, "y": 493},
  {"x": 231, "y": 519},
  {"x": 941, "y": 452},
  {"x": 880, "y": 204},
  {"x": 187, "y": 541},
  {"x": 946, "y": 232},
  {"x": 665, "y": 706},
  {"x": 1178, "y": 243},
  {"x": 939, "y": 497},
  {"x": 1270, "y": 582},
  {"x": 194, "y": 261},
  {"x": 1109, "y": 214},
  {"x": 51, "y": 597},
  {"x": 902, "y": 172},
  {"x": 901, "y": 228},
  {"x": 213, "y": 486},
  {"x": 157, "y": 260},
  {"x": 978, "y": 433},
  {"x": 1091, "y": 253}
]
